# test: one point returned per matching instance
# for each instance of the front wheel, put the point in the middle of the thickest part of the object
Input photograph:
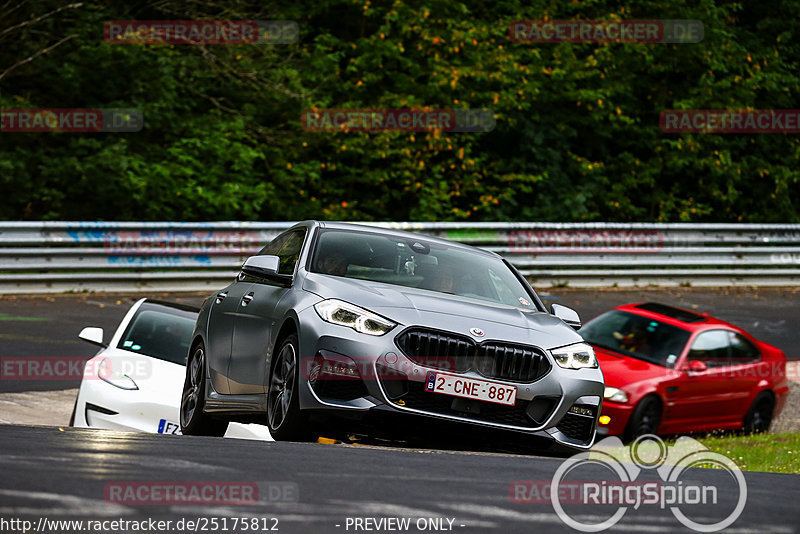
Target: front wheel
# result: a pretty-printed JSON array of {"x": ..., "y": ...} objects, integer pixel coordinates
[
  {"x": 645, "y": 418},
  {"x": 193, "y": 421},
  {"x": 284, "y": 419}
]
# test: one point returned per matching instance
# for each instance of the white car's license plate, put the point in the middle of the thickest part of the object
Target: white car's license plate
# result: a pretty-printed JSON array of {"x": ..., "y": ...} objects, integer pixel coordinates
[
  {"x": 168, "y": 427},
  {"x": 470, "y": 388}
]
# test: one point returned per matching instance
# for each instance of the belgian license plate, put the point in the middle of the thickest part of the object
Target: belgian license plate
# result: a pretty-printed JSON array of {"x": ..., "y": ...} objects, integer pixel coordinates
[
  {"x": 470, "y": 388},
  {"x": 168, "y": 427}
]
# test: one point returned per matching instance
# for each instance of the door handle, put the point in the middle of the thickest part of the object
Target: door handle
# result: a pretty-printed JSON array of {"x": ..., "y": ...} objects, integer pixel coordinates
[
  {"x": 672, "y": 389},
  {"x": 247, "y": 299},
  {"x": 221, "y": 296}
]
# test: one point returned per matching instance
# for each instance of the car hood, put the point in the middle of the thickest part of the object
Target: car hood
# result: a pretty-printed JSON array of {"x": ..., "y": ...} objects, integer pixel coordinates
[
  {"x": 620, "y": 370},
  {"x": 410, "y": 306}
]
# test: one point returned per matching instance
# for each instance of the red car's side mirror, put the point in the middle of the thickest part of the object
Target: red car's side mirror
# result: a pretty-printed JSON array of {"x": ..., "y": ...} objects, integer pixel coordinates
[{"x": 697, "y": 366}]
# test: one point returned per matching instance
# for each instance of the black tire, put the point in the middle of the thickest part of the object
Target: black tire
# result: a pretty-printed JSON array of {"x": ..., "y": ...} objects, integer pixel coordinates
[
  {"x": 74, "y": 409},
  {"x": 645, "y": 418},
  {"x": 284, "y": 420},
  {"x": 194, "y": 421},
  {"x": 759, "y": 416}
]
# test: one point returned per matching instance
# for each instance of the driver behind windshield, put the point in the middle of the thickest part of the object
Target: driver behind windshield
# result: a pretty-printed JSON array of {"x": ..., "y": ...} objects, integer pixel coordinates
[
  {"x": 637, "y": 340},
  {"x": 334, "y": 263}
]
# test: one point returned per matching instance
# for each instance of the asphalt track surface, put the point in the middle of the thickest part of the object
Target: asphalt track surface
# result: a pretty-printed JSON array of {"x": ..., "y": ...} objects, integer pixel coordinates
[
  {"x": 36, "y": 326},
  {"x": 62, "y": 474}
]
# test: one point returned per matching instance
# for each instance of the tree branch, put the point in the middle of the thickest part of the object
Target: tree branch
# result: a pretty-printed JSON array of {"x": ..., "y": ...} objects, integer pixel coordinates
[
  {"x": 39, "y": 18},
  {"x": 37, "y": 54}
]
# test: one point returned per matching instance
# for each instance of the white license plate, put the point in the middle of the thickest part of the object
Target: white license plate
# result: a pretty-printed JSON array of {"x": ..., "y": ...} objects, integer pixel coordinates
[
  {"x": 470, "y": 388},
  {"x": 168, "y": 427}
]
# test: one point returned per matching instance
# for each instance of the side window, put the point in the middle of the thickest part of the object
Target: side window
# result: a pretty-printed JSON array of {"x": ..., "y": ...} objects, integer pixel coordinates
[
  {"x": 272, "y": 248},
  {"x": 289, "y": 252},
  {"x": 742, "y": 351},
  {"x": 711, "y": 348},
  {"x": 287, "y": 247}
]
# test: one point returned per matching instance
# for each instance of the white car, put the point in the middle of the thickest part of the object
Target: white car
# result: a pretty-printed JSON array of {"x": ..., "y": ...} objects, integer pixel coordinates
[{"x": 135, "y": 381}]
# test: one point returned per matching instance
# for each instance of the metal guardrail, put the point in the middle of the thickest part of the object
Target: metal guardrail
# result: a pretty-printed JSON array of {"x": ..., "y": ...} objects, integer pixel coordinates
[{"x": 39, "y": 257}]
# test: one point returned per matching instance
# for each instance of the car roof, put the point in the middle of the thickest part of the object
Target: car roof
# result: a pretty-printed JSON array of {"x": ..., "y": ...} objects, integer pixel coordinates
[
  {"x": 686, "y": 319},
  {"x": 173, "y": 305},
  {"x": 363, "y": 227}
]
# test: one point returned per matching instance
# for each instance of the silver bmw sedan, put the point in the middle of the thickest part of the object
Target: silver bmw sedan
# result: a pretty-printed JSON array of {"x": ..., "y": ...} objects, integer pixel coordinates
[{"x": 351, "y": 323}]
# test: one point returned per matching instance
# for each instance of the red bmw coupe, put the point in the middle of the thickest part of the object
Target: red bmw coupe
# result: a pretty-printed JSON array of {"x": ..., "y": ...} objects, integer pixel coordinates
[{"x": 673, "y": 371}]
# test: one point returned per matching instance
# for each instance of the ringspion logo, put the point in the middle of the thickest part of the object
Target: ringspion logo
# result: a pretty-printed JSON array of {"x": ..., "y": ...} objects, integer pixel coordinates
[
  {"x": 648, "y": 474},
  {"x": 196, "y": 32}
]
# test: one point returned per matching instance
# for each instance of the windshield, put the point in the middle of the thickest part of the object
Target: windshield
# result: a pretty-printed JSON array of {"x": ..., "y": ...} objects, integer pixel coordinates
[
  {"x": 160, "y": 332},
  {"x": 636, "y": 336},
  {"x": 418, "y": 263}
]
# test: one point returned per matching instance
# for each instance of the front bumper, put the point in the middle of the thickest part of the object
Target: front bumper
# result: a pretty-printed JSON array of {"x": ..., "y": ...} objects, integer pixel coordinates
[
  {"x": 562, "y": 406},
  {"x": 619, "y": 415}
]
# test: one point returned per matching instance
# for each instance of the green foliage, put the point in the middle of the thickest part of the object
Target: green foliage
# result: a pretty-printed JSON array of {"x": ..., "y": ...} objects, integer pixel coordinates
[{"x": 577, "y": 134}]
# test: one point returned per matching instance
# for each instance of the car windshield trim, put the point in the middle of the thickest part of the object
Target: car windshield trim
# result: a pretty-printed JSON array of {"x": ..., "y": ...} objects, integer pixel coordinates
[
  {"x": 637, "y": 336},
  {"x": 685, "y": 316},
  {"x": 417, "y": 262}
]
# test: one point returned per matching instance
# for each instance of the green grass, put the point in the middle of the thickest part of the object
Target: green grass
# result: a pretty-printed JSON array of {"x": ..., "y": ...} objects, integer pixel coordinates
[
  {"x": 7, "y": 317},
  {"x": 772, "y": 453}
]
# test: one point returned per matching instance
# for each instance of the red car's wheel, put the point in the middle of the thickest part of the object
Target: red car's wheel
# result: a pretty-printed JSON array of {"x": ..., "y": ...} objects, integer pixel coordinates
[
  {"x": 759, "y": 416},
  {"x": 645, "y": 418}
]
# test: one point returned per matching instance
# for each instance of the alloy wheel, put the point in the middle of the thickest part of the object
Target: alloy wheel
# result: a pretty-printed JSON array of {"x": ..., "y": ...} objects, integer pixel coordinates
[
  {"x": 192, "y": 390},
  {"x": 281, "y": 386}
]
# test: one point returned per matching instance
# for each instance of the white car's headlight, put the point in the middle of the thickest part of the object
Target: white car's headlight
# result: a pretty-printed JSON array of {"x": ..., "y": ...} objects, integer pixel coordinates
[
  {"x": 615, "y": 394},
  {"x": 577, "y": 356},
  {"x": 115, "y": 378},
  {"x": 344, "y": 314}
]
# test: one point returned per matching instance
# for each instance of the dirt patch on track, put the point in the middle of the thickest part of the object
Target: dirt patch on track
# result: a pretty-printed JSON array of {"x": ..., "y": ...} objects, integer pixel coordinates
[{"x": 50, "y": 408}]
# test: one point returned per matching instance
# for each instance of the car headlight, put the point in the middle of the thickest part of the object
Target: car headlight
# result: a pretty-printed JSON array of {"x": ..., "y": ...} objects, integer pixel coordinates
[
  {"x": 344, "y": 314},
  {"x": 577, "y": 356},
  {"x": 116, "y": 379},
  {"x": 615, "y": 395}
]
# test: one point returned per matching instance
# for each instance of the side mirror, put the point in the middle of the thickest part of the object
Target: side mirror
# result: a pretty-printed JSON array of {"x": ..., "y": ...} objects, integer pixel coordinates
[
  {"x": 265, "y": 268},
  {"x": 568, "y": 315},
  {"x": 94, "y": 335},
  {"x": 696, "y": 366}
]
